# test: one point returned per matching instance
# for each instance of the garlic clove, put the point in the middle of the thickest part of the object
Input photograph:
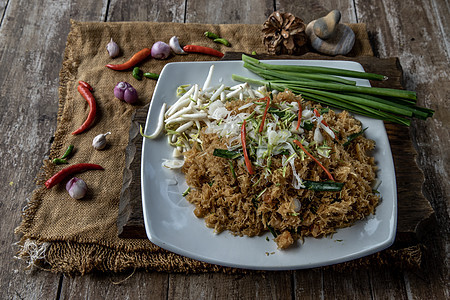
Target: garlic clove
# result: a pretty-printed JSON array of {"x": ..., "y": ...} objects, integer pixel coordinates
[
  {"x": 99, "y": 141},
  {"x": 112, "y": 48}
]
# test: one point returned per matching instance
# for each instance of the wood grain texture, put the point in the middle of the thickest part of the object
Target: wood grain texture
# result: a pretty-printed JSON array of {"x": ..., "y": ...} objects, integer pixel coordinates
[
  {"x": 270, "y": 285},
  {"x": 310, "y": 10},
  {"x": 32, "y": 39},
  {"x": 228, "y": 12},
  {"x": 33, "y": 35},
  {"x": 387, "y": 283},
  {"x": 155, "y": 11},
  {"x": 130, "y": 285},
  {"x": 417, "y": 32},
  {"x": 421, "y": 42}
]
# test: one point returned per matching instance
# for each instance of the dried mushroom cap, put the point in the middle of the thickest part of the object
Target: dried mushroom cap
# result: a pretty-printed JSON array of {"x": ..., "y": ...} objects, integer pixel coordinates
[{"x": 284, "y": 33}]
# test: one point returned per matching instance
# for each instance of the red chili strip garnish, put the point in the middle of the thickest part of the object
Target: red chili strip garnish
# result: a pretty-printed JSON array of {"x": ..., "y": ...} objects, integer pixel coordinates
[
  {"x": 86, "y": 93},
  {"x": 318, "y": 162},
  {"x": 203, "y": 50},
  {"x": 261, "y": 127},
  {"x": 299, "y": 115},
  {"x": 248, "y": 163},
  {"x": 317, "y": 114},
  {"x": 134, "y": 60},
  {"x": 86, "y": 85},
  {"x": 58, "y": 177}
]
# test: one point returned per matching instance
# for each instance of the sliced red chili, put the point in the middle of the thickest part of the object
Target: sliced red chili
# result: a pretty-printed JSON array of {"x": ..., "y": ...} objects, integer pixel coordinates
[
  {"x": 87, "y": 95},
  {"x": 134, "y": 60},
  {"x": 203, "y": 50},
  {"x": 58, "y": 177},
  {"x": 248, "y": 163},
  {"x": 261, "y": 127},
  {"x": 299, "y": 115},
  {"x": 317, "y": 114},
  {"x": 318, "y": 162}
]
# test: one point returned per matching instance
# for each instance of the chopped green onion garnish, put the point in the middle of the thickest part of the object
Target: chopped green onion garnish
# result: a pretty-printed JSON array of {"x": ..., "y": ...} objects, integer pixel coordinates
[
  {"x": 226, "y": 153},
  {"x": 323, "y": 186}
]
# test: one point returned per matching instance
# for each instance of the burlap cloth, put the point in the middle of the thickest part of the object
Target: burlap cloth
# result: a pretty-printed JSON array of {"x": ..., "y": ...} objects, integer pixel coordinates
[{"x": 76, "y": 237}]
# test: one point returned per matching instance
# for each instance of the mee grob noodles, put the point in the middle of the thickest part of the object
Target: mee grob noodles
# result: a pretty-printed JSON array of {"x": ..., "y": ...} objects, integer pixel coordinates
[{"x": 279, "y": 196}]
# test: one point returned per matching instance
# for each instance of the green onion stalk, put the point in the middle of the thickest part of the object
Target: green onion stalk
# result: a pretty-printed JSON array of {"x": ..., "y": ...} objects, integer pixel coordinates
[{"x": 326, "y": 86}]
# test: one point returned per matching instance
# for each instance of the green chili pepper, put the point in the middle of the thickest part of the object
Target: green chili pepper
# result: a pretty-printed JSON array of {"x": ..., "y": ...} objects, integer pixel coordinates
[
  {"x": 68, "y": 152},
  {"x": 222, "y": 41},
  {"x": 253, "y": 52},
  {"x": 137, "y": 73},
  {"x": 59, "y": 161},
  {"x": 151, "y": 75},
  {"x": 211, "y": 35}
]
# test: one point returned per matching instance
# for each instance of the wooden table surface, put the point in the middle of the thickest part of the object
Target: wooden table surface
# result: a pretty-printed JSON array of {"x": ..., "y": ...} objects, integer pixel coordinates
[{"x": 32, "y": 40}]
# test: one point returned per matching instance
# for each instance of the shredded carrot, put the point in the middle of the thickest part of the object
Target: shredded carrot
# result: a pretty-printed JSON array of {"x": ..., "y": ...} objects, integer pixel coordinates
[
  {"x": 261, "y": 127},
  {"x": 299, "y": 114},
  {"x": 318, "y": 162},
  {"x": 248, "y": 163}
]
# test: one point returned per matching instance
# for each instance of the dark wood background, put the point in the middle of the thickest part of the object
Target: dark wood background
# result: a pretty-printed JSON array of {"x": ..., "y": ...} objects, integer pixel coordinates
[{"x": 32, "y": 39}]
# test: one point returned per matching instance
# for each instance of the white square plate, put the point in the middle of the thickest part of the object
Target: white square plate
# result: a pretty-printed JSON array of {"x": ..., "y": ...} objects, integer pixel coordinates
[{"x": 171, "y": 224}]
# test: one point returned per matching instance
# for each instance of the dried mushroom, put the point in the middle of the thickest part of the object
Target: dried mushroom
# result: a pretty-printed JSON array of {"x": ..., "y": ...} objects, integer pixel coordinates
[{"x": 284, "y": 33}]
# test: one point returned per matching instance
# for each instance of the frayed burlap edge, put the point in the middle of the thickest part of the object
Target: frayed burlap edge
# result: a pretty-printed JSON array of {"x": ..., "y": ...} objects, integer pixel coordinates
[{"x": 74, "y": 259}]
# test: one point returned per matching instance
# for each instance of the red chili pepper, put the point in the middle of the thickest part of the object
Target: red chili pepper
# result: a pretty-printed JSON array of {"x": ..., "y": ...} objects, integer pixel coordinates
[
  {"x": 92, "y": 109},
  {"x": 299, "y": 114},
  {"x": 261, "y": 127},
  {"x": 86, "y": 85},
  {"x": 202, "y": 49},
  {"x": 58, "y": 177},
  {"x": 248, "y": 163},
  {"x": 318, "y": 162},
  {"x": 137, "y": 58},
  {"x": 317, "y": 114}
]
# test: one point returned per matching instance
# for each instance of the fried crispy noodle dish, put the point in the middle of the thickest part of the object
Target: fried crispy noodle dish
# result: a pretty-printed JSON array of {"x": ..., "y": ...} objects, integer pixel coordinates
[{"x": 294, "y": 181}]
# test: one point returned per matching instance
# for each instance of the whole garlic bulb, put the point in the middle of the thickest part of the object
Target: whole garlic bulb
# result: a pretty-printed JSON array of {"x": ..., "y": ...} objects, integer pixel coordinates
[
  {"x": 113, "y": 49},
  {"x": 99, "y": 141}
]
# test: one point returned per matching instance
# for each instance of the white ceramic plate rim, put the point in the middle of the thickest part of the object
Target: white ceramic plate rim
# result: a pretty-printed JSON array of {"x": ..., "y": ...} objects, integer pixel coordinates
[{"x": 171, "y": 224}]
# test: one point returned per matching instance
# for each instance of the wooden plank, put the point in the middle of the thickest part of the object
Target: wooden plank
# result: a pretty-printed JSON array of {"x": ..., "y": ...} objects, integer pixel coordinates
[
  {"x": 228, "y": 12},
  {"x": 33, "y": 37},
  {"x": 417, "y": 32},
  {"x": 130, "y": 285},
  {"x": 431, "y": 282},
  {"x": 3, "y": 5},
  {"x": 269, "y": 285},
  {"x": 155, "y": 11},
  {"x": 387, "y": 283},
  {"x": 353, "y": 284},
  {"x": 308, "y": 284},
  {"x": 312, "y": 9}
]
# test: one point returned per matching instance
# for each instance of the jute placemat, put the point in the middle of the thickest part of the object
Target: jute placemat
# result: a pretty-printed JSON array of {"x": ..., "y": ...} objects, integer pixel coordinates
[{"x": 76, "y": 237}]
